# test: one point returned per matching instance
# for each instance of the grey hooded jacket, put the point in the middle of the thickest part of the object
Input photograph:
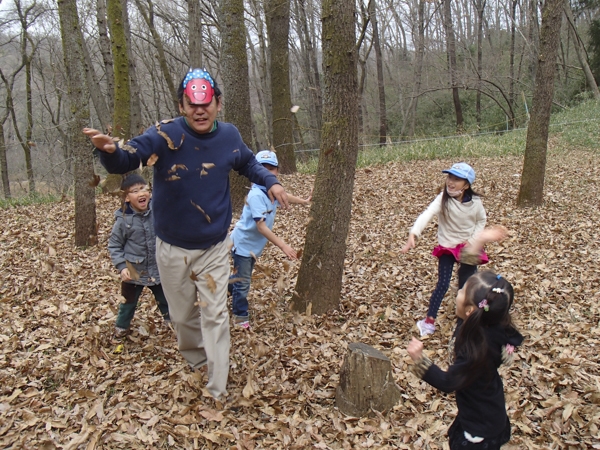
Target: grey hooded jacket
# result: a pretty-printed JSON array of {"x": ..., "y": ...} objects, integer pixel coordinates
[{"x": 132, "y": 239}]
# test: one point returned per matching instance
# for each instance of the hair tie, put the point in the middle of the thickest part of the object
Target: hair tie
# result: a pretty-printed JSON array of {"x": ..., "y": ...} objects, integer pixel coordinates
[
  {"x": 498, "y": 277},
  {"x": 498, "y": 290},
  {"x": 484, "y": 304}
]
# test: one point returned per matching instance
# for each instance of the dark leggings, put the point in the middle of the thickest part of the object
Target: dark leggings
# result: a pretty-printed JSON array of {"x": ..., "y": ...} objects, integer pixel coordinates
[
  {"x": 132, "y": 293},
  {"x": 445, "y": 268}
]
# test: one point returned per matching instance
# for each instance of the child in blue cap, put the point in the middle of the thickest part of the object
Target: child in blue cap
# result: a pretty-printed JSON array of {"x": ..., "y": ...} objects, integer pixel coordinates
[
  {"x": 461, "y": 219},
  {"x": 250, "y": 236}
]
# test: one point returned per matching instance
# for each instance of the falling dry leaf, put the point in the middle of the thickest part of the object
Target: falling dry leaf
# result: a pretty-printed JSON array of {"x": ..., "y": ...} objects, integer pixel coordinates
[
  {"x": 207, "y": 165},
  {"x": 132, "y": 272},
  {"x": 95, "y": 181},
  {"x": 202, "y": 211},
  {"x": 175, "y": 167},
  {"x": 193, "y": 276},
  {"x": 281, "y": 284},
  {"x": 152, "y": 160},
  {"x": 173, "y": 178},
  {"x": 128, "y": 148},
  {"x": 210, "y": 282}
]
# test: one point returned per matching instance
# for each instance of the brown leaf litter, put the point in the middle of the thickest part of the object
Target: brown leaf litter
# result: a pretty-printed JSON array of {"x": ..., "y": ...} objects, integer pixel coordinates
[{"x": 63, "y": 387}]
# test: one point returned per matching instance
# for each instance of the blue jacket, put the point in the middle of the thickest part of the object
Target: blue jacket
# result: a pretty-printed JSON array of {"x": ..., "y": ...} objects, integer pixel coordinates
[
  {"x": 192, "y": 204},
  {"x": 132, "y": 239}
]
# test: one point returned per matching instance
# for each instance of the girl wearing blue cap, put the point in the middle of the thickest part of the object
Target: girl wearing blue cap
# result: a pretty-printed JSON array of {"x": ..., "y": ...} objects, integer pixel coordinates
[{"x": 461, "y": 219}]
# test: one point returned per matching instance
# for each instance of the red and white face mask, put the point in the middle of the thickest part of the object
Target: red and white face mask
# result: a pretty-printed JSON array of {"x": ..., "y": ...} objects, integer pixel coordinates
[{"x": 198, "y": 85}]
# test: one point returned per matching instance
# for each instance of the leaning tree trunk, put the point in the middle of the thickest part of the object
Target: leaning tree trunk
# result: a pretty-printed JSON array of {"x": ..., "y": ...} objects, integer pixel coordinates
[
  {"x": 451, "y": 48},
  {"x": 580, "y": 50},
  {"x": 320, "y": 277},
  {"x": 278, "y": 29},
  {"x": 236, "y": 85},
  {"x": 531, "y": 192},
  {"x": 85, "y": 201}
]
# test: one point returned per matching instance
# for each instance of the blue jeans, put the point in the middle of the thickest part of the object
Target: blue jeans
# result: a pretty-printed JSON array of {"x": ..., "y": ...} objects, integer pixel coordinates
[{"x": 242, "y": 274}]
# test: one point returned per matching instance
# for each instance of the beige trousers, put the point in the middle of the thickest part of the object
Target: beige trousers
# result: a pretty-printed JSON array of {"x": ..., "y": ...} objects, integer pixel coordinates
[{"x": 195, "y": 284}]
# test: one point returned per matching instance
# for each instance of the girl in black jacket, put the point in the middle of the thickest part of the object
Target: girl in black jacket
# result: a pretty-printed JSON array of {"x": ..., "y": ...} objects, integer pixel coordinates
[{"x": 484, "y": 340}]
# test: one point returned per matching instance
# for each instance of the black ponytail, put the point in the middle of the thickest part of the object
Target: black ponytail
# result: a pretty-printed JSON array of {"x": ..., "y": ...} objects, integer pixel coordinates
[{"x": 492, "y": 297}]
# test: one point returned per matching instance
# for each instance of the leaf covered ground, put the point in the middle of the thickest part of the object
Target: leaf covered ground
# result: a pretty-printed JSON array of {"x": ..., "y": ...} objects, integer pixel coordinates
[{"x": 62, "y": 386}]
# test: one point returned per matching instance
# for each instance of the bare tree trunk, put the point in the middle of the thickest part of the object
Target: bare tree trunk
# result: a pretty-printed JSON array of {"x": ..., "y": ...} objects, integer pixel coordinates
[
  {"x": 278, "y": 29},
  {"x": 95, "y": 94},
  {"x": 511, "y": 92},
  {"x": 320, "y": 277},
  {"x": 10, "y": 111},
  {"x": 85, "y": 200},
  {"x": 531, "y": 192},
  {"x": 104, "y": 44},
  {"x": 121, "y": 113},
  {"x": 194, "y": 33},
  {"x": 480, "y": 6},
  {"x": 534, "y": 38},
  {"x": 3, "y": 161},
  {"x": 26, "y": 144},
  {"x": 411, "y": 116},
  {"x": 380, "y": 81},
  {"x": 136, "y": 126},
  {"x": 236, "y": 85},
  {"x": 147, "y": 12},
  {"x": 314, "y": 78},
  {"x": 580, "y": 50},
  {"x": 261, "y": 63},
  {"x": 451, "y": 48}
]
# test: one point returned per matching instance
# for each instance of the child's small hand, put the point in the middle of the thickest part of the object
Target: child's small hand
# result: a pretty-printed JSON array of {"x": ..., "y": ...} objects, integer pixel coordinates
[
  {"x": 410, "y": 243},
  {"x": 415, "y": 349},
  {"x": 493, "y": 234},
  {"x": 125, "y": 275},
  {"x": 289, "y": 252},
  {"x": 309, "y": 198}
]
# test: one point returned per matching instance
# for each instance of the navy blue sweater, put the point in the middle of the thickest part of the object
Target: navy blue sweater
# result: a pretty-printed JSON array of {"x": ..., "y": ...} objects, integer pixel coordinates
[{"x": 191, "y": 199}]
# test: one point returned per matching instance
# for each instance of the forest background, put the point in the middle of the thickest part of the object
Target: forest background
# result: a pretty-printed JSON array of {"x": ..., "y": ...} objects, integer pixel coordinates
[{"x": 425, "y": 69}]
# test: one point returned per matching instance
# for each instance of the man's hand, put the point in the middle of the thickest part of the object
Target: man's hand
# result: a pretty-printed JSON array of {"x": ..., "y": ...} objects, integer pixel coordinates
[
  {"x": 125, "y": 276},
  {"x": 277, "y": 192},
  {"x": 101, "y": 141}
]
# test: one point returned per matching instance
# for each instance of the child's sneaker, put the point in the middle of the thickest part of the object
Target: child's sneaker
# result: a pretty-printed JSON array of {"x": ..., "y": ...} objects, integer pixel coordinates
[
  {"x": 120, "y": 333},
  {"x": 425, "y": 327},
  {"x": 242, "y": 322}
]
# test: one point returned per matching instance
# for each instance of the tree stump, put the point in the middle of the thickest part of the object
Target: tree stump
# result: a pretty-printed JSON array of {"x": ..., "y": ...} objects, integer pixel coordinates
[{"x": 366, "y": 382}]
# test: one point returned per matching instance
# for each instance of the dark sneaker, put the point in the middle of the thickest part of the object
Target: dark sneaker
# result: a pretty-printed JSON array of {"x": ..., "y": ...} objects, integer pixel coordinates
[{"x": 120, "y": 333}]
